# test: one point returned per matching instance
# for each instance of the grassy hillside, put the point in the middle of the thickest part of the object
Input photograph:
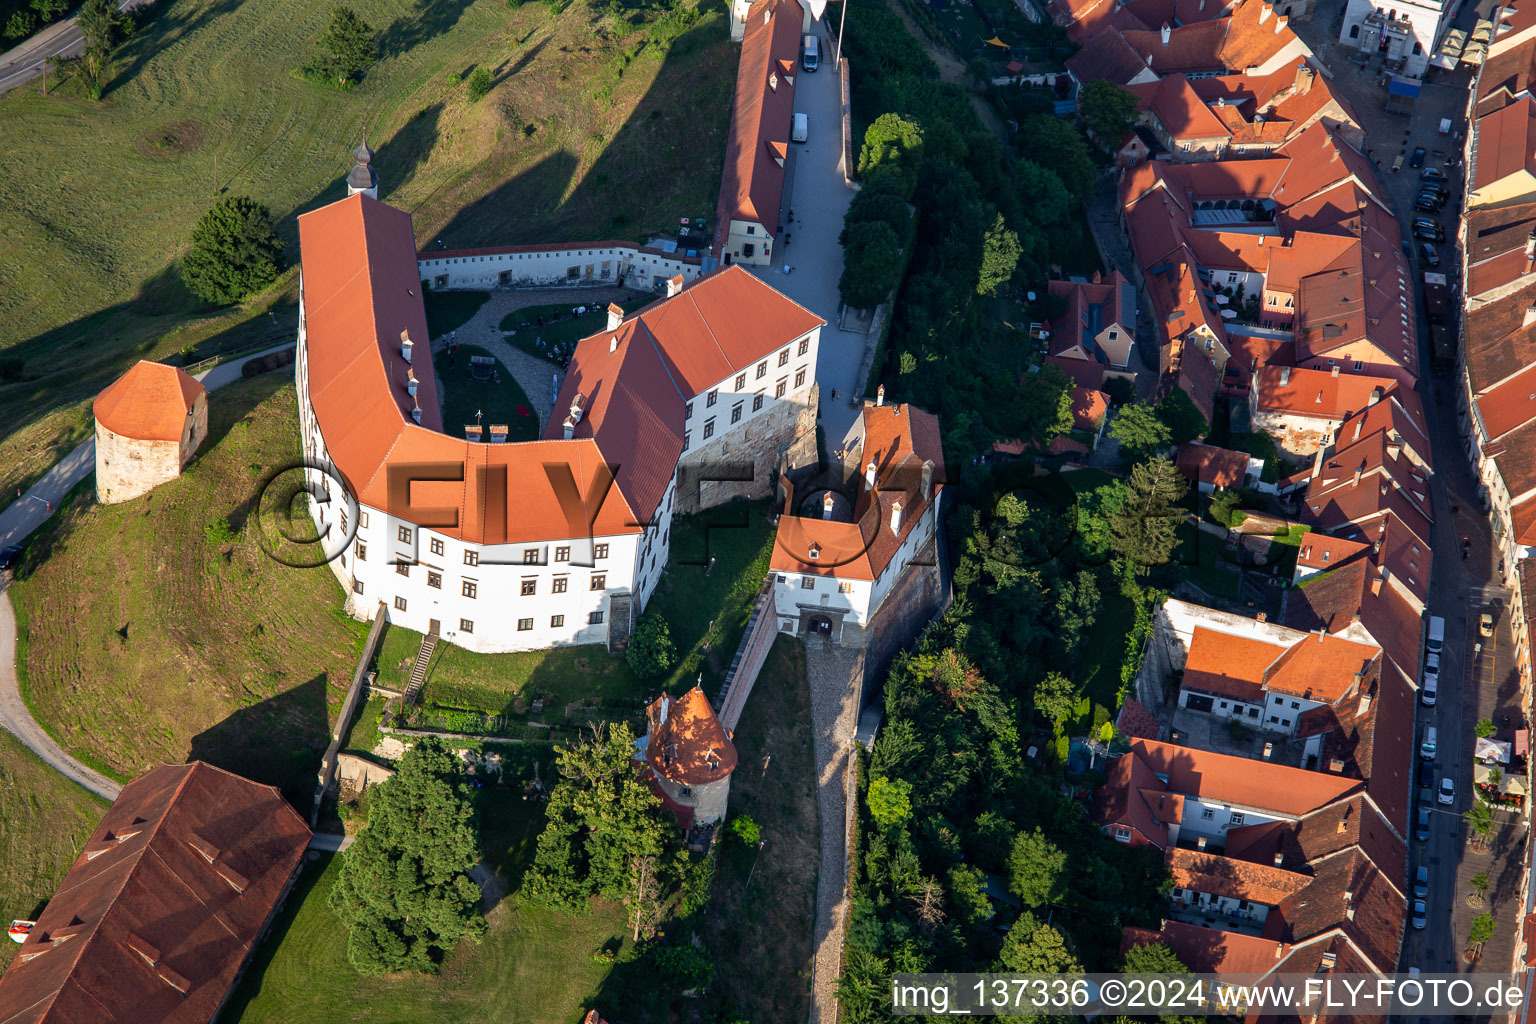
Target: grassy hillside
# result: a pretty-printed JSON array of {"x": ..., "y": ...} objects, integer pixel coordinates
[
  {"x": 601, "y": 124},
  {"x": 146, "y": 640}
]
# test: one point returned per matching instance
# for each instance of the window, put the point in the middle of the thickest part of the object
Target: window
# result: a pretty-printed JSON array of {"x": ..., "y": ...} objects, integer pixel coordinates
[
  {"x": 435, "y": 580},
  {"x": 709, "y": 428},
  {"x": 362, "y": 520},
  {"x": 1253, "y": 712},
  {"x": 530, "y": 556},
  {"x": 362, "y": 552},
  {"x": 471, "y": 558},
  {"x": 784, "y": 358},
  {"x": 562, "y": 554},
  {"x": 599, "y": 581},
  {"x": 1224, "y": 705},
  {"x": 437, "y": 545},
  {"x": 1237, "y": 817},
  {"x": 1122, "y": 834},
  {"x": 1354, "y": 31},
  {"x": 709, "y": 399},
  {"x": 757, "y": 401},
  {"x": 781, "y": 387},
  {"x": 751, "y": 230},
  {"x": 404, "y": 533},
  {"x": 1295, "y": 705},
  {"x": 687, "y": 436},
  {"x": 1418, "y": 48},
  {"x": 1359, "y": 365},
  {"x": 466, "y": 626},
  {"x": 557, "y": 585},
  {"x": 736, "y": 413},
  {"x": 343, "y": 520},
  {"x": 762, "y": 369},
  {"x": 807, "y": 583},
  {"x": 399, "y": 604},
  {"x": 402, "y": 569},
  {"x": 1274, "y": 719},
  {"x": 805, "y": 346},
  {"x": 530, "y": 587},
  {"x": 599, "y": 551},
  {"x": 741, "y": 382},
  {"x": 557, "y": 622},
  {"x": 1113, "y": 334},
  {"x": 595, "y": 619},
  {"x": 469, "y": 588},
  {"x": 357, "y": 586},
  {"x": 800, "y": 378},
  {"x": 523, "y": 625},
  {"x": 688, "y": 411},
  {"x": 1207, "y": 814},
  {"x": 845, "y": 588}
]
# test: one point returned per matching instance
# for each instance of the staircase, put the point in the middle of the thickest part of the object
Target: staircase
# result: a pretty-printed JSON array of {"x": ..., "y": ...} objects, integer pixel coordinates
[
  {"x": 419, "y": 670},
  {"x": 618, "y": 624}
]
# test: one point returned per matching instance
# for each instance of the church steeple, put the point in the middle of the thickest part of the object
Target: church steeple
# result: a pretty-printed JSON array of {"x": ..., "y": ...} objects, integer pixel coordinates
[{"x": 363, "y": 178}]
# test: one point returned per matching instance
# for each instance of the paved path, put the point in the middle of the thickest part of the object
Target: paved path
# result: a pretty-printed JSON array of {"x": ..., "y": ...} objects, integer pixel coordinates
[
  {"x": 329, "y": 842},
  {"x": 17, "y": 522},
  {"x": 27, "y": 59},
  {"x": 836, "y": 676}
]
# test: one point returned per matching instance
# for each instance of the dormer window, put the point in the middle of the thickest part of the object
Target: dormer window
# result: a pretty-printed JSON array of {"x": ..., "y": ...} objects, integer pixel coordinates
[{"x": 773, "y": 81}]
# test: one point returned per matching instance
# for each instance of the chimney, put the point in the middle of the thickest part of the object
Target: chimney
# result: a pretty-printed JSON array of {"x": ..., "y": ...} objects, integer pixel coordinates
[
  {"x": 815, "y": 551},
  {"x": 827, "y": 504},
  {"x": 1376, "y": 587},
  {"x": 416, "y": 410},
  {"x": 615, "y": 315},
  {"x": 674, "y": 285},
  {"x": 1358, "y": 471},
  {"x": 1335, "y": 371},
  {"x": 1264, "y": 12},
  {"x": 1285, "y": 375},
  {"x": 406, "y": 344},
  {"x": 1279, "y": 946},
  {"x": 1530, "y": 246},
  {"x": 1280, "y": 24},
  {"x": 896, "y": 517},
  {"x": 568, "y": 428},
  {"x": 1530, "y": 316},
  {"x": 613, "y": 339},
  {"x": 1365, "y": 705},
  {"x": 1337, "y": 766},
  {"x": 576, "y": 409},
  {"x": 1262, "y": 617},
  {"x": 1167, "y": 33},
  {"x": 927, "y": 479},
  {"x": 1319, "y": 399},
  {"x": 880, "y": 395},
  {"x": 1375, "y": 396},
  {"x": 869, "y": 477},
  {"x": 410, "y": 382},
  {"x": 1304, "y": 79}
]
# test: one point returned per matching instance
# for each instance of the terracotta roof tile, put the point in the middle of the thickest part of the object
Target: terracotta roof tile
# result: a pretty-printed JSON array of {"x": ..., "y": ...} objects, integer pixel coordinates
[
  {"x": 1220, "y": 467},
  {"x": 1506, "y": 143},
  {"x": 1238, "y": 879},
  {"x": 753, "y": 181},
  {"x": 1212, "y": 951},
  {"x": 686, "y": 742},
  {"x": 151, "y": 402},
  {"x": 1316, "y": 393}
]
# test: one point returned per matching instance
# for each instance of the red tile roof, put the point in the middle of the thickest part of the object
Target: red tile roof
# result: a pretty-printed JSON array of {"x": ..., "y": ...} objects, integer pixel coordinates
[
  {"x": 685, "y": 742},
  {"x": 1321, "y": 551},
  {"x": 1135, "y": 721},
  {"x": 1240, "y": 780},
  {"x": 1228, "y": 876},
  {"x": 163, "y": 905},
  {"x": 753, "y": 181},
  {"x": 1211, "y": 951},
  {"x": 1317, "y": 393},
  {"x": 1088, "y": 408},
  {"x": 1183, "y": 114},
  {"x": 151, "y": 402},
  {"x": 1506, "y": 143},
  {"x": 1084, "y": 373},
  {"x": 1219, "y": 467}
]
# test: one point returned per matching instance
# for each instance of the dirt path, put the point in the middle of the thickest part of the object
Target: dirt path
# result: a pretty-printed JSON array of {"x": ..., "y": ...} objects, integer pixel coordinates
[{"x": 952, "y": 71}]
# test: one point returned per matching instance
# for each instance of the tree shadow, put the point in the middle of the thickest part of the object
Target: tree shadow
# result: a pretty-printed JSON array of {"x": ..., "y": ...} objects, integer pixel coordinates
[
  {"x": 523, "y": 60},
  {"x": 162, "y": 26},
  {"x": 429, "y": 18},
  {"x": 277, "y": 741}
]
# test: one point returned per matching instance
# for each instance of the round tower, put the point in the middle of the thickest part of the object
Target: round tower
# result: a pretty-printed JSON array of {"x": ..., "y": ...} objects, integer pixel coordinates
[{"x": 363, "y": 177}]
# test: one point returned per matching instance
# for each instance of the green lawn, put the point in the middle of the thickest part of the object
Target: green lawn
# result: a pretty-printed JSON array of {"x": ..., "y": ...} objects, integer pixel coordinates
[
  {"x": 364, "y": 734},
  {"x": 450, "y": 310},
  {"x": 556, "y": 340},
  {"x": 180, "y": 647},
  {"x": 464, "y": 396},
  {"x": 44, "y": 821},
  {"x": 1204, "y": 558},
  {"x": 1103, "y": 652}
]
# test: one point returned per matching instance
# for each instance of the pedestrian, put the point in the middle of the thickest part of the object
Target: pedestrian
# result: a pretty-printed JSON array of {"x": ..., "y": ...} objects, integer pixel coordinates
[
  {"x": 786, "y": 270},
  {"x": 49, "y": 504}
]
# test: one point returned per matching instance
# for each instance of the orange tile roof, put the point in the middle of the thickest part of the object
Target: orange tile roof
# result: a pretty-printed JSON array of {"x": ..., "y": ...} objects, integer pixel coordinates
[
  {"x": 1088, "y": 408},
  {"x": 1318, "y": 393},
  {"x": 1230, "y": 665},
  {"x": 1506, "y": 143},
  {"x": 1322, "y": 551},
  {"x": 1239, "y": 780},
  {"x": 1210, "y": 950},
  {"x": 1183, "y": 115},
  {"x": 151, "y": 402},
  {"x": 753, "y": 181},
  {"x": 1219, "y": 467},
  {"x": 1227, "y": 876},
  {"x": 685, "y": 742},
  {"x": 161, "y": 908},
  {"x": 1321, "y": 667}
]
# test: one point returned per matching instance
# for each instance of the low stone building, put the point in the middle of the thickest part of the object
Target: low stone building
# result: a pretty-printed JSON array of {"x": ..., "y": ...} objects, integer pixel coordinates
[
  {"x": 149, "y": 423},
  {"x": 689, "y": 756}
]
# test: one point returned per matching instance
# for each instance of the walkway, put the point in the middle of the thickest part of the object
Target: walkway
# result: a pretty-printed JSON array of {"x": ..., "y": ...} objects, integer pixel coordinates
[
  {"x": 17, "y": 522},
  {"x": 836, "y": 677}
]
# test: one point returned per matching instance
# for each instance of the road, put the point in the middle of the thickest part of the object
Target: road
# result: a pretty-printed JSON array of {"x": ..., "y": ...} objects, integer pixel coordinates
[{"x": 26, "y": 60}]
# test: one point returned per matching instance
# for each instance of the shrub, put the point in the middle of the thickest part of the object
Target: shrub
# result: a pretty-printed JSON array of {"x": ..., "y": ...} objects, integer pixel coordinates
[
  {"x": 480, "y": 83},
  {"x": 347, "y": 49},
  {"x": 744, "y": 830},
  {"x": 650, "y": 652},
  {"x": 890, "y": 800},
  {"x": 218, "y": 531}
]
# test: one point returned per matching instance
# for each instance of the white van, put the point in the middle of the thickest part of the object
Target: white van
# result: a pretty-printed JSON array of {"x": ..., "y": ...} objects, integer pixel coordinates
[
  {"x": 1427, "y": 748},
  {"x": 1436, "y": 639},
  {"x": 810, "y": 58},
  {"x": 801, "y": 131}
]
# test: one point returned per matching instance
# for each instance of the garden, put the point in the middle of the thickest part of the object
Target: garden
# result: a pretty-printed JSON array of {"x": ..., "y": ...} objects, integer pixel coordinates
[
  {"x": 551, "y": 332},
  {"x": 479, "y": 390}
]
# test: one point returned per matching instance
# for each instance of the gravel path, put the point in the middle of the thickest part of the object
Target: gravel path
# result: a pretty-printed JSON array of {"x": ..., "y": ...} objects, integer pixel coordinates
[{"x": 835, "y": 675}]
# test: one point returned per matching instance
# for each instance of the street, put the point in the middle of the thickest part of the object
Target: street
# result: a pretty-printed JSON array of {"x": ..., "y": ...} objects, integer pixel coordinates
[
  {"x": 27, "y": 59},
  {"x": 1462, "y": 588}
]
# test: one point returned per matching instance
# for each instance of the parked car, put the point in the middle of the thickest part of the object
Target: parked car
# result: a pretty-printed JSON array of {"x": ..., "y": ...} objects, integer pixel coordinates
[
  {"x": 1431, "y": 257},
  {"x": 1433, "y": 174},
  {"x": 800, "y": 130},
  {"x": 1485, "y": 624},
  {"x": 1417, "y": 160},
  {"x": 1397, "y": 164},
  {"x": 1448, "y": 790},
  {"x": 1426, "y": 203},
  {"x": 1421, "y": 827},
  {"x": 1421, "y": 883},
  {"x": 9, "y": 556},
  {"x": 1426, "y": 775},
  {"x": 1437, "y": 186},
  {"x": 1428, "y": 234},
  {"x": 1429, "y": 689},
  {"x": 1420, "y": 914}
]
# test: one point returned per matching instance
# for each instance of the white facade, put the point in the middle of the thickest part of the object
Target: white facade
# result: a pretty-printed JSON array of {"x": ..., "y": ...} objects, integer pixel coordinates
[
  {"x": 1405, "y": 30},
  {"x": 575, "y": 264},
  {"x": 716, "y": 416},
  {"x": 1274, "y": 712}
]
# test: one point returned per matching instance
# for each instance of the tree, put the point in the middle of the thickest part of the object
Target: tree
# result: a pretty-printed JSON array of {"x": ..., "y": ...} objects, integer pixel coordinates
[
  {"x": 1037, "y": 869},
  {"x": 880, "y": 201},
  {"x": 1073, "y": 613},
  {"x": 1108, "y": 110},
  {"x": 650, "y": 652},
  {"x": 1185, "y": 422},
  {"x": 871, "y": 264},
  {"x": 745, "y": 830},
  {"x": 1153, "y": 958},
  {"x": 1480, "y": 817},
  {"x": 643, "y": 905},
  {"x": 480, "y": 83},
  {"x": 1485, "y": 728},
  {"x": 234, "y": 253},
  {"x": 99, "y": 21},
  {"x": 1054, "y": 698},
  {"x": 347, "y": 49},
  {"x": 404, "y": 890},
  {"x": 1482, "y": 929},
  {"x": 1139, "y": 432},
  {"x": 928, "y": 904},
  {"x": 1143, "y": 529},
  {"x": 1035, "y": 948},
  {"x": 890, "y": 800},
  {"x": 49, "y": 10},
  {"x": 19, "y": 25},
  {"x": 968, "y": 892},
  {"x": 1095, "y": 510},
  {"x": 1058, "y": 146},
  {"x": 893, "y": 143},
  {"x": 1479, "y": 881},
  {"x": 1225, "y": 508},
  {"x": 1120, "y": 391},
  {"x": 999, "y": 257}
]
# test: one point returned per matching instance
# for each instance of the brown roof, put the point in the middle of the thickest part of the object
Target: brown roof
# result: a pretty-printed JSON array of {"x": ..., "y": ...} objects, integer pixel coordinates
[
  {"x": 151, "y": 402},
  {"x": 1506, "y": 143},
  {"x": 1135, "y": 721},
  {"x": 1183, "y": 114},
  {"x": 163, "y": 905},
  {"x": 753, "y": 181},
  {"x": 1220, "y": 467},
  {"x": 1210, "y": 950},
  {"x": 1107, "y": 56},
  {"x": 686, "y": 742},
  {"x": 1240, "y": 780},
  {"x": 1301, "y": 392},
  {"x": 1227, "y": 876}
]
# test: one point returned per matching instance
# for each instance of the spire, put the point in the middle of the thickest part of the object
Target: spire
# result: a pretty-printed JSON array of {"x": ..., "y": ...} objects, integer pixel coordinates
[{"x": 363, "y": 178}]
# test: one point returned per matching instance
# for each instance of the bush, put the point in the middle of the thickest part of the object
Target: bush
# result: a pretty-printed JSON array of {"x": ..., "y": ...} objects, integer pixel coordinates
[
  {"x": 744, "y": 830},
  {"x": 234, "y": 253},
  {"x": 890, "y": 800},
  {"x": 347, "y": 49},
  {"x": 218, "y": 532},
  {"x": 650, "y": 652},
  {"x": 480, "y": 83}
]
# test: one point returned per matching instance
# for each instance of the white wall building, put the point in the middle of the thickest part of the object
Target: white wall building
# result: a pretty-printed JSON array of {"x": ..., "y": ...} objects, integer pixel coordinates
[{"x": 1402, "y": 30}]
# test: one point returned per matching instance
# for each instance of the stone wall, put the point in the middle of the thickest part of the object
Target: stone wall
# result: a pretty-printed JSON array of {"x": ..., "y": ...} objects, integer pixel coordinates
[
  {"x": 358, "y": 773},
  {"x": 749, "y": 456},
  {"x": 901, "y": 616},
  {"x": 127, "y": 467},
  {"x": 708, "y": 801}
]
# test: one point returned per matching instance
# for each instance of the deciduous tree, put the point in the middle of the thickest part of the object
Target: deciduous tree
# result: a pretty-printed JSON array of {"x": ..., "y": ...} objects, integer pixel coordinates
[
  {"x": 999, "y": 257},
  {"x": 890, "y": 800},
  {"x": 1035, "y": 948},
  {"x": 893, "y": 143},
  {"x": 1108, "y": 110},
  {"x": 1037, "y": 869},
  {"x": 1054, "y": 697},
  {"x": 234, "y": 253},
  {"x": 1185, "y": 422},
  {"x": 1139, "y": 432},
  {"x": 650, "y": 652},
  {"x": 871, "y": 263}
]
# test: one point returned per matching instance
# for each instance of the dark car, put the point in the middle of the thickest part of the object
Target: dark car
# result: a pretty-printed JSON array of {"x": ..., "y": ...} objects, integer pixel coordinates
[
  {"x": 1429, "y": 224},
  {"x": 9, "y": 556},
  {"x": 1426, "y": 775},
  {"x": 1417, "y": 160},
  {"x": 1439, "y": 188},
  {"x": 1425, "y": 234},
  {"x": 1431, "y": 257},
  {"x": 1433, "y": 174},
  {"x": 1427, "y": 202},
  {"x": 1421, "y": 829}
]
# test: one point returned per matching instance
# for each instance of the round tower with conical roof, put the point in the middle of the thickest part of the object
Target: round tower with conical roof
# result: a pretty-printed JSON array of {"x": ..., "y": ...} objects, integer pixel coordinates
[{"x": 363, "y": 177}]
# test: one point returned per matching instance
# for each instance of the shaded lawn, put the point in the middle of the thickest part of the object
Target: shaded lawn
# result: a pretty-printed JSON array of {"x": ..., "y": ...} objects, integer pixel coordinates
[
  {"x": 1203, "y": 556},
  {"x": 498, "y": 403},
  {"x": 450, "y": 310}
]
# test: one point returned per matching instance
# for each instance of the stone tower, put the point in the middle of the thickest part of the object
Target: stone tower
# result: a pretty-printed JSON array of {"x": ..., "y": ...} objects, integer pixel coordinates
[
  {"x": 148, "y": 425},
  {"x": 363, "y": 178},
  {"x": 690, "y": 756}
]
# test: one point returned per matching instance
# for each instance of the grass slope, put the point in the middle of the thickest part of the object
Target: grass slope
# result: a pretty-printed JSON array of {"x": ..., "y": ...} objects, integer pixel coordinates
[
  {"x": 146, "y": 642},
  {"x": 44, "y": 820},
  {"x": 595, "y": 129}
]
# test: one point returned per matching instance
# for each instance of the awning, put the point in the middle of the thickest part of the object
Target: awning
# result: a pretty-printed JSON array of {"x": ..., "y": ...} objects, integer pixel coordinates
[
  {"x": 1404, "y": 86},
  {"x": 994, "y": 41},
  {"x": 1515, "y": 785},
  {"x": 1491, "y": 751},
  {"x": 1444, "y": 62}
]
